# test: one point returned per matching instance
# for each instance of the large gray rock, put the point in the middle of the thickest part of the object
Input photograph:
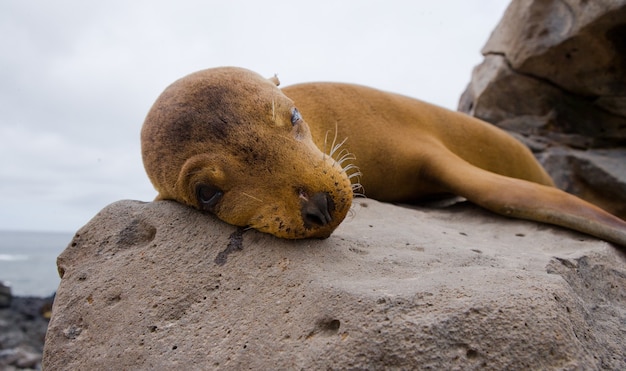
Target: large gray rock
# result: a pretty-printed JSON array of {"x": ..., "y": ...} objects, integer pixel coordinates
[
  {"x": 554, "y": 73},
  {"x": 161, "y": 286}
]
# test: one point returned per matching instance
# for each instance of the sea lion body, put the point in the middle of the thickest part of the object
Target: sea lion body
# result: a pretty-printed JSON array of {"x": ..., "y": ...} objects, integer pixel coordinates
[
  {"x": 406, "y": 150},
  {"x": 393, "y": 138}
]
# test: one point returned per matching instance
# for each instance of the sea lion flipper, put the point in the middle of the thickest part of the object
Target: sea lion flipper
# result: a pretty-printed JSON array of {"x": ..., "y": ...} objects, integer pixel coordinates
[{"x": 523, "y": 199}]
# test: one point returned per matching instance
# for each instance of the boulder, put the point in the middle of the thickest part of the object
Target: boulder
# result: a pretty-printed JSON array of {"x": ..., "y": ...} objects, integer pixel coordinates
[
  {"x": 554, "y": 74},
  {"x": 161, "y": 286},
  {"x": 5, "y": 295}
]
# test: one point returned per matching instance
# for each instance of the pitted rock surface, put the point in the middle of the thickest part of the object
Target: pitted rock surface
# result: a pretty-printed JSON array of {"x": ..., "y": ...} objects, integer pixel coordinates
[{"x": 395, "y": 287}]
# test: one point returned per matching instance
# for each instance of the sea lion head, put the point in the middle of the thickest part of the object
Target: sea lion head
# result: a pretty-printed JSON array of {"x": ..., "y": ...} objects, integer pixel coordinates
[{"x": 229, "y": 142}]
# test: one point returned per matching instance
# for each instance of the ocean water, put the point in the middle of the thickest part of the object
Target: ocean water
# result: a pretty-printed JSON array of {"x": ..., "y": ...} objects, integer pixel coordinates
[{"x": 28, "y": 261}]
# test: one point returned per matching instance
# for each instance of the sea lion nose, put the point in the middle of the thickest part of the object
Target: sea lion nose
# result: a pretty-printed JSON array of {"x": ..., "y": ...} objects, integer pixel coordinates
[{"x": 316, "y": 209}]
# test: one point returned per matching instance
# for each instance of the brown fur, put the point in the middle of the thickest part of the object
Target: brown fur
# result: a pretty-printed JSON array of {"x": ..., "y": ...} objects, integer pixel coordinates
[
  {"x": 230, "y": 128},
  {"x": 409, "y": 150}
]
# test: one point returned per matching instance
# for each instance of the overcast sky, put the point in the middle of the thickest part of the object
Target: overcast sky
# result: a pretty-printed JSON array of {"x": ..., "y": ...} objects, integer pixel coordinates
[{"x": 78, "y": 77}]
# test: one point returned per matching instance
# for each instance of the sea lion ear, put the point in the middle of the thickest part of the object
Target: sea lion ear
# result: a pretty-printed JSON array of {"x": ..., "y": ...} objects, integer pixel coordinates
[
  {"x": 275, "y": 80},
  {"x": 197, "y": 170}
]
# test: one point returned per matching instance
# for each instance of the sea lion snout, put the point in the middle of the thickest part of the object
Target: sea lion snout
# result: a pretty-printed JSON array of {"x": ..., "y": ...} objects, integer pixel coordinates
[{"x": 316, "y": 210}]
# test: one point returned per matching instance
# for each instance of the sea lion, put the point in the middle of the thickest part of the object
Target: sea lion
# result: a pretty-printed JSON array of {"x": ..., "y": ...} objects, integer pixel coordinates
[{"x": 228, "y": 129}]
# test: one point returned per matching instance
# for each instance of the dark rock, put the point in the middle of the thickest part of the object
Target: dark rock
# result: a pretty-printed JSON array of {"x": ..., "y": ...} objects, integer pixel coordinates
[
  {"x": 595, "y": 175},
  {"x": 554, "y": 73},
  {"x": 5, "y": 295},
  {"x": 22, "y": 332}
]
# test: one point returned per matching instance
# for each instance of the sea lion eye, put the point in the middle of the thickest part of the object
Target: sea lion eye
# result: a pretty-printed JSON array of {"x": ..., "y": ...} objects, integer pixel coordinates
[
  {"x": 295, "y": 116},
  {"x": 208, "y": 196}
]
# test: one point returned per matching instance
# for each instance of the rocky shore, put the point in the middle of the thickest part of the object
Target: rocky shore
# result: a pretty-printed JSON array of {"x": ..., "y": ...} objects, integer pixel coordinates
[{"x": 23, "y": 324}]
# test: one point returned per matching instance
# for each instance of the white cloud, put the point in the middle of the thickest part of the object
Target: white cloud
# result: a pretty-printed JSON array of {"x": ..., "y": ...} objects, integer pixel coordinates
[{"x": 48, "y": 182}]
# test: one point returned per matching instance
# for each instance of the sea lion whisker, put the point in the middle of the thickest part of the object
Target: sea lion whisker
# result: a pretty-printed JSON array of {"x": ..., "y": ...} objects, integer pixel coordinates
[
  {"x": 347, "y": 156},
  {"x": 356, "y": 174},
  {"x": 252, "y": 197},
  {"x": 325, "y": 143},
  {"x": 336, "y": 147},
  {"x": 352, "y": 212},
  {"x": 356, "y": 193},
  {"x": 284, "y": 136},
  {"x": 356, "y": 186},
  {"x": 343, "y": 152},
  {"x": 349, "y": 167},
  {"x": 347, "y": 159},
  {"x": 332, "y": 145}
]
